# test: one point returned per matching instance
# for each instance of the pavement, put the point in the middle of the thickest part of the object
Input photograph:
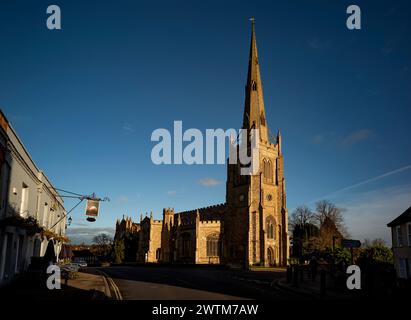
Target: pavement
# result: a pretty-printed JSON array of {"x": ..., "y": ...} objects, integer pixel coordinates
[
  {"x": 97, "y": 285},
  {"x": 85, "y": 286}
]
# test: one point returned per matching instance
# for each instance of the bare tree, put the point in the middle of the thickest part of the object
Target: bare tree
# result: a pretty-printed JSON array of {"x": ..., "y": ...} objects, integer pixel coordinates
[
  {"x": 102, "y": 239},
  {"x": 103, "y": 242},
  {"x": 302, "y": 215},
  {"x": 325, "y": 209}
]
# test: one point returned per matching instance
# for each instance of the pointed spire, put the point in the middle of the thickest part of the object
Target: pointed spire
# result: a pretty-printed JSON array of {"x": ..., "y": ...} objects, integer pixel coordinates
[{"x": 254, "y": 111}]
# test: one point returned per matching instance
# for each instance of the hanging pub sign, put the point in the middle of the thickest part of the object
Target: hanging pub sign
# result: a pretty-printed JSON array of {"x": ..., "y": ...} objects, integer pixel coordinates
[{"x": 92, "y": 208}]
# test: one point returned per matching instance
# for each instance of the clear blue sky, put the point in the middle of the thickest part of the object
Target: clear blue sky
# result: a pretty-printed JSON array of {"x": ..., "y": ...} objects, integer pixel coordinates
[{"x": 85, "y": 99}]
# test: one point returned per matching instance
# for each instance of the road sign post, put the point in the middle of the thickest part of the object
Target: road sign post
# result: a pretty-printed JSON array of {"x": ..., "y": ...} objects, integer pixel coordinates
[{"x": 350, "y": 243}]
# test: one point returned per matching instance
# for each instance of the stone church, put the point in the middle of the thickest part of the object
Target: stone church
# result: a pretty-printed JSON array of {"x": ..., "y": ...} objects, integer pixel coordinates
[{"x": 250, "y": 228}]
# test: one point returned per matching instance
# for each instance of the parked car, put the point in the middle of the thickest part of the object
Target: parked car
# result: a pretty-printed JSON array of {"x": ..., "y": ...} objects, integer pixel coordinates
[
  {"x": 80, "y": 262},
  {"x": 71, "y": 267}
]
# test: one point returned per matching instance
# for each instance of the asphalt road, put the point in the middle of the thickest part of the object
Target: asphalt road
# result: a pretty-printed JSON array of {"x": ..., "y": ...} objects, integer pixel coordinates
[{"x": 199, "y": 283}]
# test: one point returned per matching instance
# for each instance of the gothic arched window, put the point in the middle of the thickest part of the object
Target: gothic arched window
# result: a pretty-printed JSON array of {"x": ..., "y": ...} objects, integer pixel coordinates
[
  {"x": 270, "y": 227},
  {"x": 254, "y": 86},
  {"x": 265, "y": 168},
  {"x": 262, "y": 119},
  {"x": 213, "y": 245},
  {"x": 185, "y": 245},
  {"x": 269, "y": 170}
]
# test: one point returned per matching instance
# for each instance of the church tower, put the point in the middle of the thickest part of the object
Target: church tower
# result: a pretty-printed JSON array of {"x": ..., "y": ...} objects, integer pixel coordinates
[{"x": 256, "y": 222}]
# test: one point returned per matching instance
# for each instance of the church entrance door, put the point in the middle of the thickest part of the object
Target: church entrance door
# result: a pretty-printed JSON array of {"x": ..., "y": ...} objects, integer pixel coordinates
[{"x": 270, "y": 256}]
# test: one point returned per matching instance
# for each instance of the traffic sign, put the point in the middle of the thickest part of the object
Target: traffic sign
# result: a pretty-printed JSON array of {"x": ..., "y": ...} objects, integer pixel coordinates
[{"x": 350, "y": 243}]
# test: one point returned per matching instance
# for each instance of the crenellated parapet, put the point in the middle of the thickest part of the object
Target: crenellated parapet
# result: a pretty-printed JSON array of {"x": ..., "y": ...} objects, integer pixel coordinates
[
  {"x": 210, "y": 222},
  {"x": 209, "y": 213}
]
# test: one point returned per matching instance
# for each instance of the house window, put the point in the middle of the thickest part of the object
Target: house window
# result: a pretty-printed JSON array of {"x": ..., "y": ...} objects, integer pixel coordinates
[
  {"x": 2, "y": 155},
  {"x": 399, "y": 236},
  {"x": 213, "y": 245},
  {"x": 20, "y": 254},
  {"x": 409, "y": 233},
  {"x": 158, "y": 252},
  {"x": 45, "y": 213},
  {"x": 402, "y": 269},
  {"x": 50, "y": 220},
  {"x": 24, "y": 200},
  {"x": 5, "y": 180},
  {"x": 270, "y": 228}
]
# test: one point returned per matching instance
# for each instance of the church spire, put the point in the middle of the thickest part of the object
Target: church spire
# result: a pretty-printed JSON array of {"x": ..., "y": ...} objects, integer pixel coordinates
[{"x": 254, "y": 111}]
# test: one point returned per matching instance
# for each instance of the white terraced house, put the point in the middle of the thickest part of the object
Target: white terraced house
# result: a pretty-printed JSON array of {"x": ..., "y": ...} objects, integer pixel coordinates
[{"x": 29, "y": 208}]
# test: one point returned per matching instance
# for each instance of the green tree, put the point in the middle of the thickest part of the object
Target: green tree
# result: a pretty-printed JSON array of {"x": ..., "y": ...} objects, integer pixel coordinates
[
  {"x": 377, "y": 252},
  {"x": 119, "y": 250}
]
